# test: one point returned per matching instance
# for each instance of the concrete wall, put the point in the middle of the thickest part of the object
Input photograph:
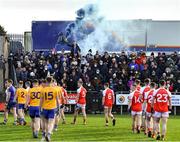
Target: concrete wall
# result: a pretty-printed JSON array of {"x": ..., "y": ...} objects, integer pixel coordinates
[
  {"x": 158, "y": 32},
  {"x": 164, "y": 33},
  {"x": 27, "y": 42}
]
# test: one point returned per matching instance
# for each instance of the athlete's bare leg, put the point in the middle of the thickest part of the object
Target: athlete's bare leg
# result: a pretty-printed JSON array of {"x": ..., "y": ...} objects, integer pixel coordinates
[
  {"x": 148, "y": 126},
  {"x": 6, "y": 111},
  {"x": 138, "y": 122},
  {"x": 15, "y": 114},
  {"x": 62, "y": 116},
  {"x": 143, "y": 122},
  {"x": 50, "y": 126},
  {"x": 41, "y": 124},
  {"x": 76, "y": 111},
  {"x": 36, "y": 124},
  {"x": 154, "y": 128},
  {"x": 111, "y": 115},
  {"x": 84, "y": 115},
  {"x": 32, "y": 124},
  {"x": 133, "y": 123},
  {"x": 143, "y": 117},
  {"x": 43, "y": 127},
  {"x": 164, "y": 126},
  {"x": 106, "y": 116},
  {"x": 157, "y": 127},
  {"x": 21, "y": 116},
  {"x": 56, "y": 122}
]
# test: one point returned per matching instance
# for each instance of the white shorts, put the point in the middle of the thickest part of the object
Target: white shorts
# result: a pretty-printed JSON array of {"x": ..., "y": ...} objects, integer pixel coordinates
[
  {"x": 148, "y": 114},
  {"x": 107, "y": 107},
  {"x": 161, "y": 114},
  {"x": 80, "y": 106},
  {"x": 136, "y": 113}
]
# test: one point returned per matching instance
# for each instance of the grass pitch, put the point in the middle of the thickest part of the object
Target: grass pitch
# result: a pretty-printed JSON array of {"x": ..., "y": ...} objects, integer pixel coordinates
[{"x": 93, "y": 131}]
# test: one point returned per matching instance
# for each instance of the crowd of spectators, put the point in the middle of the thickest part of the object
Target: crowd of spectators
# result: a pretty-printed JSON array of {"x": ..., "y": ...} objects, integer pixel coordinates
[{"x": 119, "y": 69}]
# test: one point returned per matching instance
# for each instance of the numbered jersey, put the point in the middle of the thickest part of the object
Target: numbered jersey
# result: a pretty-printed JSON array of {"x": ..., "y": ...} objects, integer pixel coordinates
[
  {"x": 82, "y": 95},
  {"x": 49, "y": 96},
  {"x": 148, "y": 97},
  {"x": 136, "y": 99},
  {"x": 109, "y": 95},
  {"x": 161, "y": 98},
  {"x": 21, "y": 95},
  {"x": 34, "y": 96},
  {"x": 144, "y": 90}
]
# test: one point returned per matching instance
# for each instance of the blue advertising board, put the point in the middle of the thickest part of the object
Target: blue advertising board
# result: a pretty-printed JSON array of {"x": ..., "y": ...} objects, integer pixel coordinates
[{"x": 45, "y": 35}]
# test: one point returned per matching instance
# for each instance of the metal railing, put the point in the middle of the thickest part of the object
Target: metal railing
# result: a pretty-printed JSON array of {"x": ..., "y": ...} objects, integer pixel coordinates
[{"x": 94, "y": 103}]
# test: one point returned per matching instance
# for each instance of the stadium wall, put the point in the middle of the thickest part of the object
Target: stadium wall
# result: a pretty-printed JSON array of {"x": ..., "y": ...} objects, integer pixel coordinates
[{"x": 27, "y": 41}]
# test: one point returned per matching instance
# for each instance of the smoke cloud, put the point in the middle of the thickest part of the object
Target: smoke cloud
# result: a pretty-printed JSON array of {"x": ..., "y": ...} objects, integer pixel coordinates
[{"x": 92, "y": 31}]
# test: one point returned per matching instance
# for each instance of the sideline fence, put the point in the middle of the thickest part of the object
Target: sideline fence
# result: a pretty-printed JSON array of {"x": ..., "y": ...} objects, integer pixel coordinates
[{"x": 94, "y": 102}]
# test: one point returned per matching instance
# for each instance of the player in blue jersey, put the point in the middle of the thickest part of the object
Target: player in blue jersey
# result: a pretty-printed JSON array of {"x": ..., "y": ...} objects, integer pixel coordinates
[{"x": 10, "y": 101}]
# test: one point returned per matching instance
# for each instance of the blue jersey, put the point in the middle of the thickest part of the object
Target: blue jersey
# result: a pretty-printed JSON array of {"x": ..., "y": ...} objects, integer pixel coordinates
[{"x": 12, "y": 92}]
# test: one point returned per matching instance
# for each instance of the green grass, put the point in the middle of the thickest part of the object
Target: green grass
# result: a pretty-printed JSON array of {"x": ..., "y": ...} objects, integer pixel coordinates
[{"x": 93, "y": 131}]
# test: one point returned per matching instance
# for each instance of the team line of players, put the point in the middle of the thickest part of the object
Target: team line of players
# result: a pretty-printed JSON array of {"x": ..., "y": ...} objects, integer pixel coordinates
[
  {"x": 149, "y": 105},
  {"x": 46, "y": 102}
]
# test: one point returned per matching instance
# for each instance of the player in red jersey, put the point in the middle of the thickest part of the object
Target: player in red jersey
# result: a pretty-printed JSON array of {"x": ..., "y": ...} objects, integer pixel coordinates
[
  {"x": 161, "y": 104},
  {"x": 108, "y": 101},
  {"x": 80, "y": 102},
  {"x": 148, "y": 101},
  {"x": 143, "y": 90},
  {"x": 64, "y": 101},
  {"x": 135, "y": 104}
]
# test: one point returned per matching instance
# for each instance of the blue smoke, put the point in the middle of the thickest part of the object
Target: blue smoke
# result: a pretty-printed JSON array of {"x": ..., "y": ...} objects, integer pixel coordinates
[{"x": 92, "y": 31}]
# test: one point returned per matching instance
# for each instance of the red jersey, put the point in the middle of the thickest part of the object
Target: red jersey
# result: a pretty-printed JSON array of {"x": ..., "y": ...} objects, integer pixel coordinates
[
  {"x": 109, "y": 95},
  {"x": 135, "y": 96},
  {"x": 161, "y": 98},
  {"x": 64, "y": 97},
  {"x": 144, "y": 90},
  {"x": 82, "y": 95},
  {"x": 148, "y": 97}
]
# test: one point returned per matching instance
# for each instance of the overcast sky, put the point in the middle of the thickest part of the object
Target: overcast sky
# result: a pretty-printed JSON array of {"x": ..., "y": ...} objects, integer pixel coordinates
[{"x": 16, "y": 15}]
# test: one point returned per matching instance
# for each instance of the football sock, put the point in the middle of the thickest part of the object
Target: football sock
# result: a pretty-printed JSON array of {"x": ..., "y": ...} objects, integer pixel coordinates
[
  {"x": 74, "y": 120},
  {"x": 21, "y": 120},
  {"x": 43, "y": 133},
  {"x": 5, "y": 120},
  {"x": 55, "y": 126}
]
